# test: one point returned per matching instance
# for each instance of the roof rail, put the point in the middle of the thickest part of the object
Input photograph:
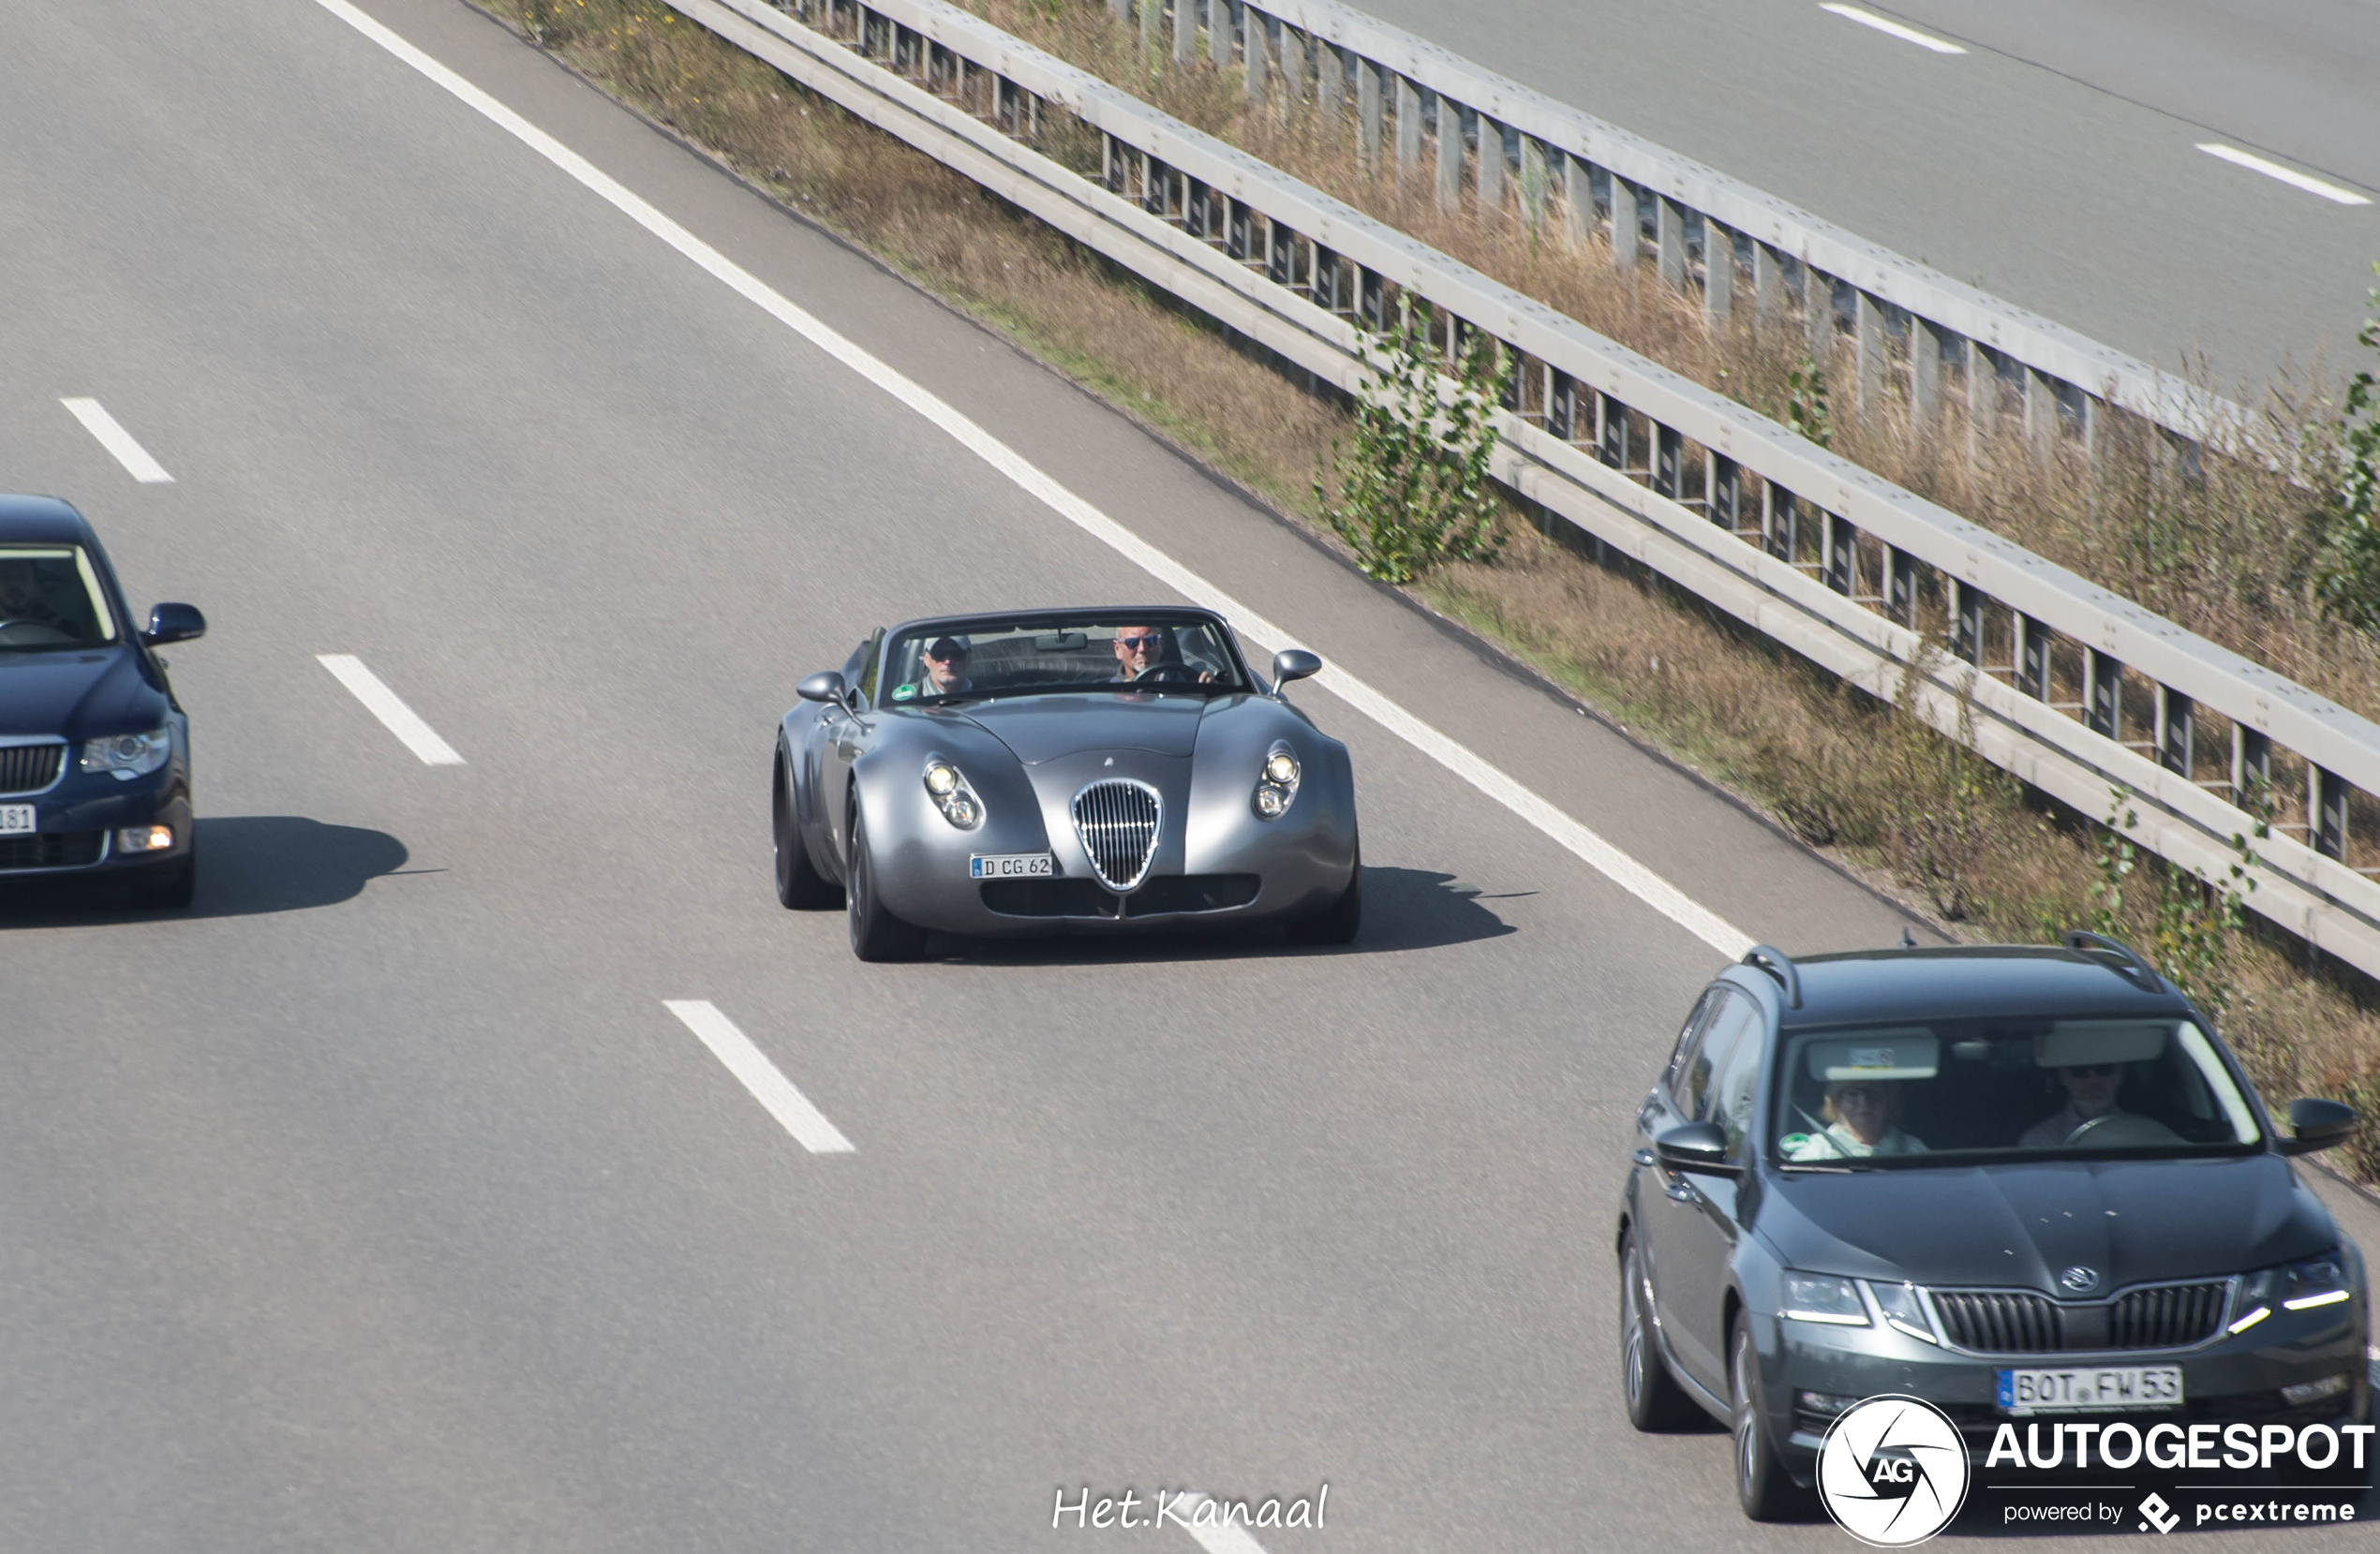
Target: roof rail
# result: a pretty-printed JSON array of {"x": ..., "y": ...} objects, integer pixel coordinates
[
  {"x": 2132, "y": 967},
  {"x": 1778, "y": 964}
]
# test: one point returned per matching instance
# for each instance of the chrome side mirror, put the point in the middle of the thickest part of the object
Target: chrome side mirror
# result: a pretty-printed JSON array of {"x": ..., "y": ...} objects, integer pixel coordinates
[{"x": 824, "y": 685}]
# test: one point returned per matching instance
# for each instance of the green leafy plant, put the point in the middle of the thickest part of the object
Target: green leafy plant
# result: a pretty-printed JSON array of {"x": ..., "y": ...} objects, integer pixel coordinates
[
  {"x": 2195, "y": 922},
  {"x": 1944, "y": 796},
  {"x": 1806, "y": 403},
  {"x": 1414, "y": 491},
  {"x": 2347, "y": 578}
]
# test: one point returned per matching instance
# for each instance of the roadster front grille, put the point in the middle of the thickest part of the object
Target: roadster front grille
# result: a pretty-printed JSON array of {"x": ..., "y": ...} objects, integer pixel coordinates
[
  {"x": 1116, "y": 819},
  {"x": 30, "y": 768}
]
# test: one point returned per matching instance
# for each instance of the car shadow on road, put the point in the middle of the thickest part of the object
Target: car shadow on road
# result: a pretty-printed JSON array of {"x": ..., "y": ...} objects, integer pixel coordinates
[
  {"x": 248, "y": 865},
  {"x": 1403, "y": 909}
]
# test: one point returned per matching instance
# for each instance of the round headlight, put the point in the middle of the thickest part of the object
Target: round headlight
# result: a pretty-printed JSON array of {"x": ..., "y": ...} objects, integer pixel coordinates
[
  {"x": 940, "y": 779},
  {"x": 962, "y": 811},
  {"x": 1271, "y": 801},
  {"x": 1281, "y": 767}
]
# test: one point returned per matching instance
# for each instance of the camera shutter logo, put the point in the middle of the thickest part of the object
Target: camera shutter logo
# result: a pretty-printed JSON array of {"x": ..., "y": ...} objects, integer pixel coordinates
[{"x": 1893, "y": 1470}]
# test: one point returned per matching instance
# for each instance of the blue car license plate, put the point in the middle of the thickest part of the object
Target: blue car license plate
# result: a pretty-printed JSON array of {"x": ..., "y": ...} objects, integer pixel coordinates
[{"x": 1009, "y": 866}]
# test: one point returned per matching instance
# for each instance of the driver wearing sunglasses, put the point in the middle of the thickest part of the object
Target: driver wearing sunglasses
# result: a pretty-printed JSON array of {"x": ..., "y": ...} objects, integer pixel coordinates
[
  {"x": 1142, "y": 654},
  {"x": 2090, "y": 1095}
]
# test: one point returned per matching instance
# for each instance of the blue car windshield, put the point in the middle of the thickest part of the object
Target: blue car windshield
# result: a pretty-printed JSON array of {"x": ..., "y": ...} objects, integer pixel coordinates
[
  {"x": 50, "y": 599},
  {"x": 1950, "y": 1091},
  {"x": 1025, "y": 658}
]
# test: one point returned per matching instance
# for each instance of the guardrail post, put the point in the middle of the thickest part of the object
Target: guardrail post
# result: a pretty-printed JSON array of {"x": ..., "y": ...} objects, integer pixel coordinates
[
  {"x": 1924, "y": 369},
  {"x": 1900, "y": 587},
  {"x": 1870, "y": 338},
  {"x": 1779, "y": 521},
  {"x": 1221, "y": 14},
  {"x": 2326, "y": 811},
  {"x": 1408, "y": 126},
  {"x": 2032, "y": 657},
  {"x": 1578, "y": 200},
  {"x": 1723, "y": 479},
  {"x": 2251, "y": 766},
  {"x": 1367, "y": 113},
  {"x": 1450, "y": 183},
  {"x": 1610, "y": 432},
  {"x": 1718, "y": 273},
  {"x": 1185, "y": 29},
  {"x": 2103, "y": 694},
  {"x": 1122, "y": 9},
  {"x": 1842, "y": 554},
  {"x": 1491, "y": 166},
  {"x": 1669, "y": 242},
  {"x": 1533, "y": 181},
  {"x": 1330, "y": 74},
  {"x": 2177, "y": 732},
  {"x": 1668, "y": 449},
  {"x": 1561, "y": 404},
  {"x": 2041, "y": 413},
  {"x": 1966, "y": 620},
  {"x": 1818, "y": 312},
  {"x": 1623, "y": 227},
  {"x": 1983, "y": 399},
  {"x": 1768, "y": 286},
  {"x": 1255, "y": 49},
  {"x": 1151, "y": 10}
]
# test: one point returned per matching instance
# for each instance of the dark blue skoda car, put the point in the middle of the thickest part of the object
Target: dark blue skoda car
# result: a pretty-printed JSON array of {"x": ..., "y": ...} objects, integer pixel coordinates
[{"x": 95, "y": 751}]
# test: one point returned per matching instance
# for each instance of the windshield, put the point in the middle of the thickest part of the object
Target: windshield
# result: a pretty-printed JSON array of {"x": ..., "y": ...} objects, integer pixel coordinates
[
  {"x": 1917, "y": 1094},
  {"x": 50, "y": 598},
  {"x": 1166, "y": 655}
]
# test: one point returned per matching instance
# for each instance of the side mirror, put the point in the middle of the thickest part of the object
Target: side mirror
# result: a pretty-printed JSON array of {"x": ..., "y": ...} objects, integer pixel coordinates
[
  {"x": 1700, "y": 1146},
  {"x": 174, "y": 623},
  {"x": 2319, "y": 1125},
  {"x": 1293, "y": 663},
  {"x": 824, "y": 685}
]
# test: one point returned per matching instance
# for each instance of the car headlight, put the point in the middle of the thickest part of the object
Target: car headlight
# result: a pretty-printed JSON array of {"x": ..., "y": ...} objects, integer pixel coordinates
[
  {"x": 1822, "y": 1298},
  {"x": 1277, "y": 782},
  {"x": 1903, "y": 1309},
  {"x": 2301, "y": 1286},
  {"x": 126, "y": 756},
  {"x": 948, "y": 786}
]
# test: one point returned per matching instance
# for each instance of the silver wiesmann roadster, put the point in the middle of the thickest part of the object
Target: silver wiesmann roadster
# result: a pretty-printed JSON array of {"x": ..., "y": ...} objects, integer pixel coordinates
[{"x": 1062, "y": 771}]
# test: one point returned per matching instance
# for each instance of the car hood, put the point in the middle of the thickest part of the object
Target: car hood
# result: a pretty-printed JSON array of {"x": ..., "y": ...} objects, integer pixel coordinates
[
  {"x": 76, "y": 695},
  {"x": 1043, "y": 728},
  {"x": 2021, "y": 1225}
]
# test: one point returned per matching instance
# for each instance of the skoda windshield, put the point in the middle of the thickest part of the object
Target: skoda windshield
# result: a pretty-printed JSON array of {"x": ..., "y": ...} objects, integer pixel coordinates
[
  {"x": 1968, "y": 1091},
  {"x": 1162, "y": 653},
  {"x": 50, "y": 599}
]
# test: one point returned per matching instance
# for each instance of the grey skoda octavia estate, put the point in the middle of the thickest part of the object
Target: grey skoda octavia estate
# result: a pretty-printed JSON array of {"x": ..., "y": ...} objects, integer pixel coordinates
[{"x": 2018, "y": 1183}]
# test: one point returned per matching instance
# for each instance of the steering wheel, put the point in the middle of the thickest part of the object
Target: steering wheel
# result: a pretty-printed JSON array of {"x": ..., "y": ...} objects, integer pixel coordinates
[{"x": 1166, "y": 674}]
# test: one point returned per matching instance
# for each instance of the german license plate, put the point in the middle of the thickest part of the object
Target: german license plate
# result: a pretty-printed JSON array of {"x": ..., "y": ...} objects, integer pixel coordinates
[
  {"x": 2091, "y": 1389},
  {"x": 15, "y": 818},
  {"x": 1009, "y": 866}
]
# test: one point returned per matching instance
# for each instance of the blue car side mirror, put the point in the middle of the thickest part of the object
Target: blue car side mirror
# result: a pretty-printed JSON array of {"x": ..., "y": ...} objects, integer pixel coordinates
[{"x": 174, "y": 623}]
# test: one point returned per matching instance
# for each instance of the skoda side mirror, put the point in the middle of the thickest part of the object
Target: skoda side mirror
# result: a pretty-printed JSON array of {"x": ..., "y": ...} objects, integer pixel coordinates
[
  {"x": 174, "y": 623},
  {"x": 2319, "y": 1125},
  {"x": 1698, "y": 1147},
  {"x": 824, "y": 685},
  {"x": 1293, "y": 663}
]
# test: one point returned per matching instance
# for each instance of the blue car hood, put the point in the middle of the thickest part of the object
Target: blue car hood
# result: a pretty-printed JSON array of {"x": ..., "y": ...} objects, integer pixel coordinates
[
  {"x": 1043, "y": 728},
  {"x": 76, "y": 695},
  {"x": 2020, "y": 1225}
]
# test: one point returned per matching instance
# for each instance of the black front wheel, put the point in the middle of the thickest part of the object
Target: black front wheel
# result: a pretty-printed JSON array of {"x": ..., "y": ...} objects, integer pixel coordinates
[
  {"x": 1337, "y": 923},
  {"x": 799, "y": 886},
  {"x": 876, "y": 934},
  {"x": 169, "y": 887}
]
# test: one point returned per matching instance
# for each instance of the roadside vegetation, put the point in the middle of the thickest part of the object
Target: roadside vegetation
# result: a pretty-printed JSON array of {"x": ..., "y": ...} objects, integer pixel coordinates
[{"x": 2233, "y": 548}]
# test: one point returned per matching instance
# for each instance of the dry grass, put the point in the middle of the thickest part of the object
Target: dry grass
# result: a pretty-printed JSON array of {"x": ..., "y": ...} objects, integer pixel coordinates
[{"x": 1841, "y": 770}]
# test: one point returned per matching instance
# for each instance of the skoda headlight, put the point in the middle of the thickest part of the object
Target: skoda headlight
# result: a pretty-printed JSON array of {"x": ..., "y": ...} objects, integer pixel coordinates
[
  {"x": 948, "y": 786},
  {"x": 126, "y": 756},
  {"x": 1277, "y": 783},
  {"x": 2304, "y": 1286},
  {"x": 1822, "y": 1298},
  {"x": 1903, "y": 1309}
]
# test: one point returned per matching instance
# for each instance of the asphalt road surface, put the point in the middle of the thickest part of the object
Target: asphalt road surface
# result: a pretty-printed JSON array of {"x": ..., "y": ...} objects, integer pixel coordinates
[
  {"x": 381, "y": 1202},
  {"x": 2055, "y": 162}
]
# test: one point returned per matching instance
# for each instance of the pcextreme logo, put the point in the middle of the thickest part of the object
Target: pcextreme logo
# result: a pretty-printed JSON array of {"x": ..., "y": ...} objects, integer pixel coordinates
[{"x": 1893, "y": 1470}]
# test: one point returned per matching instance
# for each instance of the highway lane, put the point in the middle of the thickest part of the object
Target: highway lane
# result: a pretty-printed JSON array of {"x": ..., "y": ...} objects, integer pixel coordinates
[
  {"x": 381, "y": 1203},
  {"x": 2055, "y": 163}
]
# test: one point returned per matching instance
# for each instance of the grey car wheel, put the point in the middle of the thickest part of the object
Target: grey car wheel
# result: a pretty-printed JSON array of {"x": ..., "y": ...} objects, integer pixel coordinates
[
  {"x": 1655, "y": 1400},
  {"x": 1337, "y": 923},
  {"x": 799, "y": 886},
  {"x": 876, "y": 934},
  {"x": 1763, "y": 1486}
]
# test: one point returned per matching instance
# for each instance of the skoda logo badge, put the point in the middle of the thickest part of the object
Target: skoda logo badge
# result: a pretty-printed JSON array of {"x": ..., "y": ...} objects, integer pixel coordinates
[
  {"x": 1893, "y": 1470},
  {"x": 2081, "y": 1280}
]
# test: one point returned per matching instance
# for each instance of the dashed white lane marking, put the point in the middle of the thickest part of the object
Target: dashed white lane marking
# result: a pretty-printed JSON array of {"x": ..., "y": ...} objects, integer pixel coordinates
[
  {"x": 1887, "y": 25},
  {"x": 1622, "y": 869},
  {"x": 384, "y": 703},
  {"x": 769, "y": 1086},
  {"x": 1227, "y": 1539},
  {"x": 2290, "y": 176},
  {"x": 116, "y": 441}
]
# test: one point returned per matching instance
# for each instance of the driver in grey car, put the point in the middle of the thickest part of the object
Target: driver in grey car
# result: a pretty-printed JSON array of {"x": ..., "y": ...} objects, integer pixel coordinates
[
  {"x": 1142, "y": 648},
  {"x": 2090, "y": 1101}
]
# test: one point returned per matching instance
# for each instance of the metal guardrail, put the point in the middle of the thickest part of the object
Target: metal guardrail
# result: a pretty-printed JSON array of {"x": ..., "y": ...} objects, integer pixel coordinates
[{"x": 2062, "y": 679}]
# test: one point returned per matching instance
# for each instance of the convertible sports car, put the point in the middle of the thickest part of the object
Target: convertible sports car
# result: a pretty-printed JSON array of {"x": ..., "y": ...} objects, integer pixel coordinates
[{"x": 1066, "y": 770}]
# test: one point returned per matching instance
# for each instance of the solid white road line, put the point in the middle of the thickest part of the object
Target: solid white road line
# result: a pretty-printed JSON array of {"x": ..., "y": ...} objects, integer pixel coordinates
[
  {"x": 1623, "y": 870},
  {"x": 1230, "y": 1539},
  {"x": 771, "y": 1087},
  {"x": 402, "y": 721},
  {"x": 116, "y": 441},
  {"x": 1886, "y": 24},
  {"x": 2290, "y": 176}
]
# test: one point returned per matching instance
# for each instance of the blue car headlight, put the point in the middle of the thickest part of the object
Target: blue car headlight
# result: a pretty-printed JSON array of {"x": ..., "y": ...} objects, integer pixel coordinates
[
  {"x": 2306, "y": 1285},
  {"x": 948, "y": 786},
  {"x": 126, "y": 756}
]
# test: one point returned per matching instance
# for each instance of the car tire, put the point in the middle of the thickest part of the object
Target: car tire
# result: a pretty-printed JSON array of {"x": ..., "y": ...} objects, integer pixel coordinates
[
  {"x": 876, "y": 934},
  {"x": 1337, "y": 923},
  {"x": 799, "y": 886},
  {"x": 1763, "y": 1486},
  {"x": 1655, "y": 1401},
  {"x": 169, "y": 888}
]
